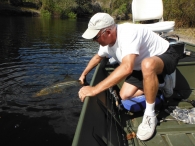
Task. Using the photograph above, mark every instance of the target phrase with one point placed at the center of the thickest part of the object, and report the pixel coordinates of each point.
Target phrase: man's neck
(114, 36)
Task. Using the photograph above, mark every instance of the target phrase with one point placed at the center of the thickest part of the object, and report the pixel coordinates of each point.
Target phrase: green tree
(121, 8)
(181, 11)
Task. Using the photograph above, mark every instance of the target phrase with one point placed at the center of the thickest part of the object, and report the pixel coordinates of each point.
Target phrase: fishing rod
(126, 136)
(131, 133)
(116, 98)
(107, 110)
(114, 94)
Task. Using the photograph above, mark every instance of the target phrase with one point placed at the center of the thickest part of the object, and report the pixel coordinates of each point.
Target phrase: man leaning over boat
(146, 62)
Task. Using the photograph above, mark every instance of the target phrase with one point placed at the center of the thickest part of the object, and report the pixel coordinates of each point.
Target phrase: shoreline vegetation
(183, 13)
(185, 34)
(10, 10)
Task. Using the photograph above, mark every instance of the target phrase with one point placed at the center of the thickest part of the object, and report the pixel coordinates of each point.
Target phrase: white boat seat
(163, 26)
(143, 10)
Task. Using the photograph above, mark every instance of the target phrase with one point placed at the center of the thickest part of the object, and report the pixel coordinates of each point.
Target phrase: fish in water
(57, 88)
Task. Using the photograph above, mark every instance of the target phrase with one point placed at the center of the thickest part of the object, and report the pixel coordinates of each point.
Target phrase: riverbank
(185, 34)
(9, 10)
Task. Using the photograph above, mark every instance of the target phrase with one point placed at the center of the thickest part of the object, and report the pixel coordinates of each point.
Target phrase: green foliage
(181, 11)
(60, 8)
(122, 9)
(45, 13)
(72, 15)
(68, 14)
(84, 7)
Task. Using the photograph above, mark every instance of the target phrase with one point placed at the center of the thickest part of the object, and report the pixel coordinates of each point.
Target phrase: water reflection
(36, 53)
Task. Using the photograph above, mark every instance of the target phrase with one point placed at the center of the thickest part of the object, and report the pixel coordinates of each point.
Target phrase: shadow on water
(37, 53)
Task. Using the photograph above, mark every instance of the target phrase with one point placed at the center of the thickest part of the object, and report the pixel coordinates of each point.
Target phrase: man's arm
(92, 63)
(121, 72)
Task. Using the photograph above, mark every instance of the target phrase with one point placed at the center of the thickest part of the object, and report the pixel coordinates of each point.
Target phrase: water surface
(36, 53)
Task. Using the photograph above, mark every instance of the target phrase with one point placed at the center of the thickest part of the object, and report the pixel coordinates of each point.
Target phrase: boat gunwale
(160, 130)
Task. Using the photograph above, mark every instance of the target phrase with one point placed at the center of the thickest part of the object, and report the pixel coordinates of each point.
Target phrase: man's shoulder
(125, 24)
(131, 26)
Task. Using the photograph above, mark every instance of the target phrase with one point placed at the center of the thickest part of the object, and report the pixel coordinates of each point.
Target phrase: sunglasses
(97, 36)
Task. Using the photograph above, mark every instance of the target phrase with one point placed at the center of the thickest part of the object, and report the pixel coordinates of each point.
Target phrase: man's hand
(86, 91)
(82, 79)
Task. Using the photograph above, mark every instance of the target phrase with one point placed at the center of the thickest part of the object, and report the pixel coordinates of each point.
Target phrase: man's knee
(126, 95)
(152, 64)
(148, 64)
(130, 94)
(123, 95)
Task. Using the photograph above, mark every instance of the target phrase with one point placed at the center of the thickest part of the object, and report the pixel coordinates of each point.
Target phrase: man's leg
(150, 68)
(129, 91)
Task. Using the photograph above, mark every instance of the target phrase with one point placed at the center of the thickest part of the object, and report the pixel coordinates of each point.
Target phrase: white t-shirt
(134, 39)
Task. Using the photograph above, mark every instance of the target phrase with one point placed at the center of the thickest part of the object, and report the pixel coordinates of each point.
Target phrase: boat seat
(144, 10)
(165, 26)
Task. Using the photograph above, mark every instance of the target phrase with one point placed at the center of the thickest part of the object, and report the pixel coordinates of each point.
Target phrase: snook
(57, 88)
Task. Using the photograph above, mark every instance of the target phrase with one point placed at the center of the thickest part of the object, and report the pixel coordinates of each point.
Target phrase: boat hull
(101, 123)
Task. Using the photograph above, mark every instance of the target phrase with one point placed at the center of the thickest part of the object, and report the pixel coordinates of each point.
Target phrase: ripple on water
(35, 54)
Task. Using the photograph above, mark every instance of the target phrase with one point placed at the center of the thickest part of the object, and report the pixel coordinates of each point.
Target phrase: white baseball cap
(96, 23)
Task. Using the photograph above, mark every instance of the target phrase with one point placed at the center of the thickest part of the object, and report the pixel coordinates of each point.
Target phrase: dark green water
(36, 53)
